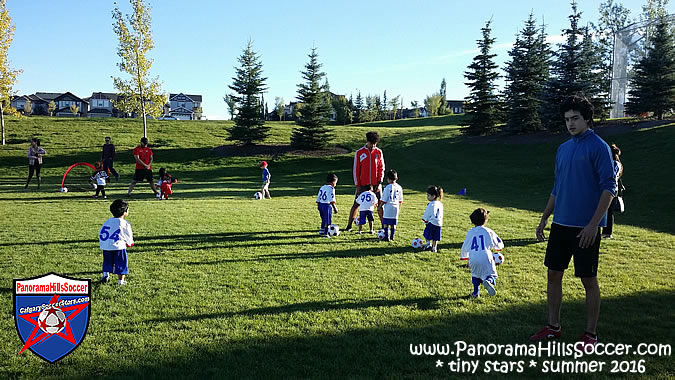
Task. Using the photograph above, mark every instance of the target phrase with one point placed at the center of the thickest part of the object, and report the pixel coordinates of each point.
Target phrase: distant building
(65, 100)
(102, 104)
(184, 107)
(457, 106)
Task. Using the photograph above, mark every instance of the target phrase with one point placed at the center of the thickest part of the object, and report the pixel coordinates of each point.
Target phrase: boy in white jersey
(367, 201)
(477, 247)
(392, 198)
(325, 202)
(114, 237)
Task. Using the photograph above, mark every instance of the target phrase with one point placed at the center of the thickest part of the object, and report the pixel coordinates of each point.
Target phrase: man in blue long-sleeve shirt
(583, 188)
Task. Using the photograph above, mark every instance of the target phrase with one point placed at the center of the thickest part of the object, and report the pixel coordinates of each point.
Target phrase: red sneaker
(586, 341)
(546, 333)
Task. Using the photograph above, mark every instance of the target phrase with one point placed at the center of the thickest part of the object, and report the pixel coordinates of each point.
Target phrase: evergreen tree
(314, 115)
(248, 84)
(442, 110)
(653, 85)
(358, 107)
(384, 111)
(526, 73)
(482, 101)
(592, 76)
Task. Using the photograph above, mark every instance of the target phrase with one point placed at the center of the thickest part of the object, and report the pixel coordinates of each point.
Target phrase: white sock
(105, 274)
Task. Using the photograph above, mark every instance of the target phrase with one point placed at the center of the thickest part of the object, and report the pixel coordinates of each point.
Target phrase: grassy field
(222, 285)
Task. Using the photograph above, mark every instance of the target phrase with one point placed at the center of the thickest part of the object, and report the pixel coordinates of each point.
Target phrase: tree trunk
(2, 122)
(145, 125)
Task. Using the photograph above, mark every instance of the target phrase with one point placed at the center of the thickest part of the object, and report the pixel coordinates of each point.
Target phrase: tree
(526, 74)
(279, 107)
(315, 113)
(7, 75)
(444, 99)
(433, 103)
(416, 108)
(51, 108)
(198, 112)
(231, 104)
(28, 108)
(592, 76)
(74, 109)
(653, 85)
(248, 85)
(341, 108)
(394, 105)
(358, 106)
(482, 102)
(139, 93)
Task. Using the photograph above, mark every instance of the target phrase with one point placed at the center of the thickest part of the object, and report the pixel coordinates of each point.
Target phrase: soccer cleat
(586, 341)
(322, 232)
(474, 295)
(121, 282)
(490, 287)
(386, 238)
(105, 197)
(607, 236)
(348, 229)
(546, 333)
(427, 246)
(95, 196)
(434, 250)
(105, 279)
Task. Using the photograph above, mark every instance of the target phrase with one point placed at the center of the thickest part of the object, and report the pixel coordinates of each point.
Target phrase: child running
(433, 217)
(165, 182)
(392, 198)
(477, 247)
(325, 202)
(100, 176)
(114, 237)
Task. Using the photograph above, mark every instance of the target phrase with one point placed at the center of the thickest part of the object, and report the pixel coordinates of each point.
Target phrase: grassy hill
(222, 285)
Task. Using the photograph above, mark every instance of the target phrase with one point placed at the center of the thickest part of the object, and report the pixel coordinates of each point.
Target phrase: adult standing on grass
(618, 173)
(107, 157)
(35, 153)
(583, 187)
(143, 155)
(368, 170)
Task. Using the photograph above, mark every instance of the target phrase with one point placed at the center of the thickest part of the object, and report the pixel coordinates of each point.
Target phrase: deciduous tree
(7, 74)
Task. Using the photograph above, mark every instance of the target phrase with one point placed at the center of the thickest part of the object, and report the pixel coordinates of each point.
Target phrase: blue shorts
(326, 212)
(432, 232)
(363, 215)
(389, 221)
(115, 262)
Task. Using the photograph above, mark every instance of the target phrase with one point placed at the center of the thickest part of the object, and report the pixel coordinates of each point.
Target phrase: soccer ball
(381, 234)
(64, 189)
(257, 195)
(52, 320)
(333, 230)
(498, 257)
(417, 243)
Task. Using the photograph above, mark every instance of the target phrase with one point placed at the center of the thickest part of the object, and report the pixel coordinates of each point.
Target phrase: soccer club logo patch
(51, 314)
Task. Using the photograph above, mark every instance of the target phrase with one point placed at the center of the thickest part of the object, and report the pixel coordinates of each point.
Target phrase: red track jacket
(368, 166)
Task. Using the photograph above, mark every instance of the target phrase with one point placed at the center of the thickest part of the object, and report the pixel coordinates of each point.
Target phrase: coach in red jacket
(368, 170)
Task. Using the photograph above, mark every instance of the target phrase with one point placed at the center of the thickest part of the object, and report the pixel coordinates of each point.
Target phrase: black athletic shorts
(563, 244)
(142, 174)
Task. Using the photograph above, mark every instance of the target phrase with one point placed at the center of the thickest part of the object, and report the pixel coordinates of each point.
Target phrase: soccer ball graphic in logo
(417, 243)
(64, 189)
(257, 195)
(52, 320)
(381, 234)
(333, 230)
(499, 258)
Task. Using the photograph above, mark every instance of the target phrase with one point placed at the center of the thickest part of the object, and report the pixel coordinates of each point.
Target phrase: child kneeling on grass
(477, 247)
(114, 237)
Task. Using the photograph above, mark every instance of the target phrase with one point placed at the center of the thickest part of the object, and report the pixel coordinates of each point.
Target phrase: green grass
(221, 285)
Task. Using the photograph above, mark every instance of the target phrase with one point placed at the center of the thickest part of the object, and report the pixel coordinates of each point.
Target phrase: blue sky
(403, 47)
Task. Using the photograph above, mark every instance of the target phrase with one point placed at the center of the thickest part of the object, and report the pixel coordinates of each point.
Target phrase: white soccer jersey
(392, 196)
(434, 213)
(367, 201)
(100, 177)
(326, 194)
(115, 235)
(477, 247)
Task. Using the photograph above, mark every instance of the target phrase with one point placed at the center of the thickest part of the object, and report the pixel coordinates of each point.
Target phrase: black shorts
(563, 244)
(142, 174)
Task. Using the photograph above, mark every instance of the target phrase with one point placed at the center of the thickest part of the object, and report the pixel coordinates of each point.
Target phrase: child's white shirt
(477, 247)
(392, 196)
(434, 213)
(100, 177)
(115, 234)
(326, 194)
(367, 201)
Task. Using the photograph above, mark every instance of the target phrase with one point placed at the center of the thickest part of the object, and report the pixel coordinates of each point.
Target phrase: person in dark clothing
(107, 158)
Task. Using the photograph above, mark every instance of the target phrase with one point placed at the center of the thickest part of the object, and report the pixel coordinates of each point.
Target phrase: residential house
(65, 100)
(457, 106)
(41, 101)
(19, 102)
(409, 113)
(185, 107)
(102, 104)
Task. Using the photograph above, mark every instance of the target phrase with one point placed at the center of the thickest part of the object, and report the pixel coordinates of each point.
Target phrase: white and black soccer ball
(381, 234)
(52, 320)
(498, 257)
(417, 243)
(333, 230)
(257, 195)
(64, 189)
